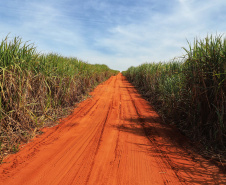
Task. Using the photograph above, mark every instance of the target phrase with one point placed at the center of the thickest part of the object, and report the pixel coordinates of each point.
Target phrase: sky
(117, 33)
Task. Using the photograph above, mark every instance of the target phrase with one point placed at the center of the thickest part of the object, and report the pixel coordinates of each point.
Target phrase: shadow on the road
(172, 150)
(126, 87)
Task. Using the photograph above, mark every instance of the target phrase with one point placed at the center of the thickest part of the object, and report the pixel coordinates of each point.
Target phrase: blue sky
(113, 32)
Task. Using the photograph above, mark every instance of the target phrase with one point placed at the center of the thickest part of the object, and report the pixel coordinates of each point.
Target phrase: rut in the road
(115, 137)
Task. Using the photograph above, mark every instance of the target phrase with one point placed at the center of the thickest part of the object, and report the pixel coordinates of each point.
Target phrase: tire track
(113, 138)
(98, 145)
(164, 158)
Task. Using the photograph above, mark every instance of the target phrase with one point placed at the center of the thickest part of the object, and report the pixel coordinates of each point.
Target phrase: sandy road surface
(115, 137)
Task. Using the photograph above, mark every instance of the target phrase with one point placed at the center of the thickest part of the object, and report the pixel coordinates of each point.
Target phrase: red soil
(115, 137)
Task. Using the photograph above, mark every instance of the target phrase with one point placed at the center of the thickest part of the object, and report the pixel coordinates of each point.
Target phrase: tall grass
(36, 88)
(191, 92)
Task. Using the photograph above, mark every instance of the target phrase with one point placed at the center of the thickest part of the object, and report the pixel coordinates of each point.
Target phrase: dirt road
(115, 137)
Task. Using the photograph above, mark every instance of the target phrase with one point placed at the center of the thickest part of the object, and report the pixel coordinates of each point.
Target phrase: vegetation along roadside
(36, 89)
(191, 92)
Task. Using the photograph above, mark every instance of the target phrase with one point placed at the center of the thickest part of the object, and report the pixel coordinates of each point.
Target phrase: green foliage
(191, 92)
(35, 88)
(15, 148)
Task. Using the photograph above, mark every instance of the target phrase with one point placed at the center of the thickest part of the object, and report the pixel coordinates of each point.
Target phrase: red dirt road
(115, 137)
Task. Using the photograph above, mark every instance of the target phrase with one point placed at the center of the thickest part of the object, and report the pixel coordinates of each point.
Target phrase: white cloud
(117, 33)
